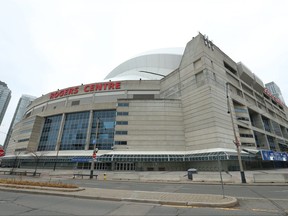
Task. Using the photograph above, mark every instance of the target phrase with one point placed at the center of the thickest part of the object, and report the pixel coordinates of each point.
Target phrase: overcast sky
(47, 44)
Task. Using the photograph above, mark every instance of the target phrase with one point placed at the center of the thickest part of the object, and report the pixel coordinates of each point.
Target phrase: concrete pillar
(59, 138)
(88, 135)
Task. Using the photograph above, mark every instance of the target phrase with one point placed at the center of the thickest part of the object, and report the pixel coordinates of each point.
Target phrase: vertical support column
(88, 135)
(59, 138)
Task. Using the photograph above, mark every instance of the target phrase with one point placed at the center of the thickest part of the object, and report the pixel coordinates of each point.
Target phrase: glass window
(109, 124)
(49, 133)
(23, 140)
(122, 113)
(120, 142)
(106, 129)
(122, 123)
(121, 132)
(74, 134)
(123, 104)
(75, 103)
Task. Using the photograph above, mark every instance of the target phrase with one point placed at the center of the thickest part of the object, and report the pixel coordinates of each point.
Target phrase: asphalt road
(239, 191)
(253, 200)
(268, 199)
(12, 203)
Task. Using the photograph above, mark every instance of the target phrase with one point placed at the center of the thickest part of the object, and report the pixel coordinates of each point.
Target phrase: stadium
(169, 109)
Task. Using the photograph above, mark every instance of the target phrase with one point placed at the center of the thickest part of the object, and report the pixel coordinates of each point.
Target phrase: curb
(56, 192)
(196, 182)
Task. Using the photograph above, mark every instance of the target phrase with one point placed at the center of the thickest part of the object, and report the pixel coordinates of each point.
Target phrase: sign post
(95, 150)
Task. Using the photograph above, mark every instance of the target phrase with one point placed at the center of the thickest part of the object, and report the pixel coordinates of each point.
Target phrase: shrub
(41, 184)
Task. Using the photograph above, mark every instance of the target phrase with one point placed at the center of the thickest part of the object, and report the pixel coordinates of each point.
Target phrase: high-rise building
(5, 96)
(22, 105)
(275, 90)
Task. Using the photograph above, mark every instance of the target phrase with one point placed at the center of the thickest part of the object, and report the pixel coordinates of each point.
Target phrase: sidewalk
(182, 199)
(163, 198)
(276, 176)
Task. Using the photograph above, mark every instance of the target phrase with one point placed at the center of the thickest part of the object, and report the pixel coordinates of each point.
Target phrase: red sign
(94, 155)
(87, 88)
(2, 152)
(277, 100)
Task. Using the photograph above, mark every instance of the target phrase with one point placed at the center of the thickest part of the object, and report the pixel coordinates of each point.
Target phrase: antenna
(205, 40)
(212, 45)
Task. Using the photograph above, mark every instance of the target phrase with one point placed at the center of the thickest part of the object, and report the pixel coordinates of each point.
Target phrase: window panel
(49, 133)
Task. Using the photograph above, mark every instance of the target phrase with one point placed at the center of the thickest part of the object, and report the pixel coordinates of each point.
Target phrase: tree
(37, 156)
(15, 163)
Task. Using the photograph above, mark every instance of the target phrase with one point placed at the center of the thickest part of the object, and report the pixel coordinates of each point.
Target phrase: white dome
(151, 65)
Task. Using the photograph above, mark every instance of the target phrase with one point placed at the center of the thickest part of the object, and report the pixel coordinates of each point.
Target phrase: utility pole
(236, 141)
(95, 150)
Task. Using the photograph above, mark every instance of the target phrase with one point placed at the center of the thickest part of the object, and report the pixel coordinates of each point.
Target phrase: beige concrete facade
(184, 113)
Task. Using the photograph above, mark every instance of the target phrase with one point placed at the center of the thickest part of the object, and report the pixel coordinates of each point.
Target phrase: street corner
(213, 201)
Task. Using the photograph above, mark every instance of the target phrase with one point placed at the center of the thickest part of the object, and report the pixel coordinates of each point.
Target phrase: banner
(268, 155)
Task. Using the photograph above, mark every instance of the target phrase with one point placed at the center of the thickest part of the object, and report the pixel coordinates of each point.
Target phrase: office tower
(5, 96)
(22, 105)
(275, 90)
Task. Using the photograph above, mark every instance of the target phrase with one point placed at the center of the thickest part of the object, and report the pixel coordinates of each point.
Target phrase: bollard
(104, 176)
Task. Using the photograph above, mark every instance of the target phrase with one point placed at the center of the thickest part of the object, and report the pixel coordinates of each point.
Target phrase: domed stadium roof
(151, 65)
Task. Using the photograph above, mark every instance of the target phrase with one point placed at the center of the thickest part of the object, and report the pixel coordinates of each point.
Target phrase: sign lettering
(87, 88)
(277, 100)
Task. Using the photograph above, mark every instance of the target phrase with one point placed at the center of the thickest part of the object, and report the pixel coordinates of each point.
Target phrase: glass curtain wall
(106, 127)
(74, 131)
(49, 134)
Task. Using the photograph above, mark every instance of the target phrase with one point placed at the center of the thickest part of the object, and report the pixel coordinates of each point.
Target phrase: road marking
(283, 191)
(265, 210)
(229, 209)
(178, 206)
(255, 198)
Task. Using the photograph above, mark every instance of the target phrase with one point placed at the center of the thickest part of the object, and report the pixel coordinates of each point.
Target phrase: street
(12, 203)
(236, 190)
(253, 200)
(260, 198)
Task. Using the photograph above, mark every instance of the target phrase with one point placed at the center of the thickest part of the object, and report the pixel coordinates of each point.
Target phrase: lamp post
(57, 153)
(220, 171)
(95, 150)
(236, 141)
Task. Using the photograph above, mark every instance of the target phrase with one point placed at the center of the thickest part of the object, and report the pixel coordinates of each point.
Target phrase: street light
(57, 153)
(236, 141)
(220, 171)
(94, 149)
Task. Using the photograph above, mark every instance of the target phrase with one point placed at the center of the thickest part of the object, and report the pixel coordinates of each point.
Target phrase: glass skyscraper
(23, 102)
(275, 90)
(5, 96)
